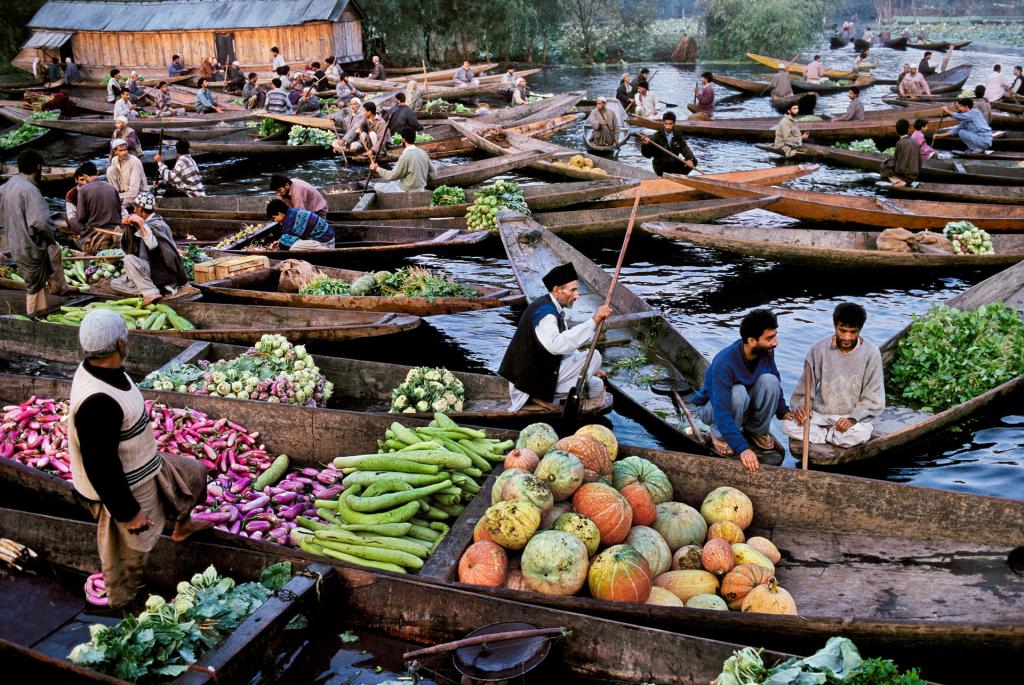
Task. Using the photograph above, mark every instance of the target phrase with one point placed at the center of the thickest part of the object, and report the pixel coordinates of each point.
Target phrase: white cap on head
(781, 65)
(67, 60)
(356, 101)
(236, 63)
(122, 118)
(118, 142)
(100, 330)
(601, 98)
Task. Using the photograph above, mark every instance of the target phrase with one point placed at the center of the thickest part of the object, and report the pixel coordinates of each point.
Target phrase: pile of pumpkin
(578, 516)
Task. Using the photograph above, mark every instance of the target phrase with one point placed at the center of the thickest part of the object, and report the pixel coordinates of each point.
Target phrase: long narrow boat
(1001, 140)
(440, 87)
(1016, 107)
(946, 170)
(46, 614)
(836, 42)
(807, 101)
(874, 561)
(948, 81)
(1015, 155)
(245, 146)
(801, 86)
(950, 192)
(870, 211)
(831, 249)
(940, 46)
(234, 324)
(795, 67)
(859, 44)
(897, 43)
(415, 74)
(350, 240)
(101, 126)
(901, 426)
(262, 287)
(359, 385)
(50, 174)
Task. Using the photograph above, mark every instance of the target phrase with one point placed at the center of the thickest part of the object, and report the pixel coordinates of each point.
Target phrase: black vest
(527, 365)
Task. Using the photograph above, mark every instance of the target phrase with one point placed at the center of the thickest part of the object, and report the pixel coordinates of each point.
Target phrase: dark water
(705, 293)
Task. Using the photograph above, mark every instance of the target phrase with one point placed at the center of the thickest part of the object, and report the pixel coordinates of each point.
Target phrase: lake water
(705, 293)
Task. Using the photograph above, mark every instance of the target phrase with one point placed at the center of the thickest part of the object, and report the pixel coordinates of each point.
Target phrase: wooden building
(144, 34)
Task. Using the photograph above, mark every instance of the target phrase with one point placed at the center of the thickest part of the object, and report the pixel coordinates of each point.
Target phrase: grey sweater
(845, 383)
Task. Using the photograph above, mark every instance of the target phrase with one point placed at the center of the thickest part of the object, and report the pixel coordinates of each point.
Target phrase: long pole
(668, 152)
(808, 372)
(373, 154)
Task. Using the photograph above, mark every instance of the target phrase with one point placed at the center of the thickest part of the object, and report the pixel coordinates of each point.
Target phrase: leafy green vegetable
(866, 145)
(396, 138)
(271, 127)
(325, 285)
(26, 132)
(407, 282)
(348, 637)
(482, 215)
(443, 106)
(190, 257)
(968, 238)
(447, 195)
(883, 672)
(304, 135)
(950, 356)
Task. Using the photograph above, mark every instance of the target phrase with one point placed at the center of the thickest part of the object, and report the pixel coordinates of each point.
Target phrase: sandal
(721, 448)
(764, 442)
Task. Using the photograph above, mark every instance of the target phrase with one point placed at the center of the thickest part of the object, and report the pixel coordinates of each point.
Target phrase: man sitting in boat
(125, 173)
(927, 151)
(464, 76)
(401, 116)
(92, 203)
(345, 91)
(981, 104)
(815, 71)
(184, 178)
(204, 99)
(604, 125)
(509, 78)
(132, 488)
(300, 228)
(1016, 87)
(165, 106)
(371, 131)
(378, 73)
(903, 74)
(855, 110)
(743, 391)
(996, 85)
(868, 36)
(624, 93)
(520, 94)
(668, 149)
(253, 94)
(413, 170)
(645, 103)
(299, 194)
(924, 67)
(124, 132)
(848, 387)
(788, 138)
(124, 107)
(176, 68)
(914, 83)
(152, 265)
(972, 130)
(542, 362)
(704, 109)
(905, 165)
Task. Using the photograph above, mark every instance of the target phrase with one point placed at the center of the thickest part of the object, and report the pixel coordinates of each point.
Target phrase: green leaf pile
(483, 213)
(26, 132)
(447, 195)
(271, 127)
(407, 282)
(396, 138)
(950, 356)
(305, 135)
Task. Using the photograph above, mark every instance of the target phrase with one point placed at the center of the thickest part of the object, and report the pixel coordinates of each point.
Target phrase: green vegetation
(733, 28)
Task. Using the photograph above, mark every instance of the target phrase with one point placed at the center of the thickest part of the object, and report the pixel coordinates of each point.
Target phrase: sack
(933, 243)
(896, 240)
(295, 273)
(100, 239)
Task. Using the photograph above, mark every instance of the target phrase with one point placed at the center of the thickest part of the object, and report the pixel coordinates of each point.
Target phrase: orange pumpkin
(591, 452)
(484, 563)
(769, 599)
(726, 530)
(607, 508)
(716, 556)
(480, 532)
(522, 458)
(640, 501)
(737, 583)
(620, 574)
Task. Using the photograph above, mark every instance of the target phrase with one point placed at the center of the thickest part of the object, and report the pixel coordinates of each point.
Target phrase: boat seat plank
(882, 577)
(34, 608)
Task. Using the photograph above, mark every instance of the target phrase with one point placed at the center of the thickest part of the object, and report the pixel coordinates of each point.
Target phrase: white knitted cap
(118, 142)
(100, 329)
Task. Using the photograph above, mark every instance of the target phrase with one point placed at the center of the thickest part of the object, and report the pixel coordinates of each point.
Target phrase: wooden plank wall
(299, 44)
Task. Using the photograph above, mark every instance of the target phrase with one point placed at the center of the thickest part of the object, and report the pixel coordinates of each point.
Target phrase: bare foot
(546, 405)
(149, 299)
(185, 529)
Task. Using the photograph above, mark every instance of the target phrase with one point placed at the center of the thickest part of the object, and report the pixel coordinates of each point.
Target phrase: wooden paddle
(374, 154)
(808, 372)
(571, 410)
(160, 151)
(667, 152)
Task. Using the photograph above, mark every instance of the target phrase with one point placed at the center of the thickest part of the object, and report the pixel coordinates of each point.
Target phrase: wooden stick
(689, 417)
(380, 143)
(808, 386)
(669, 152)
(483, 640)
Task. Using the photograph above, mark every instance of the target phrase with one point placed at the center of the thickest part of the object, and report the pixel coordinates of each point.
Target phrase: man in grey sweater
(847, 382)
(412, 172)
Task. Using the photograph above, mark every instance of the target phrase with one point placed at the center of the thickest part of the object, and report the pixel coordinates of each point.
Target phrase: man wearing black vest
(543, 360)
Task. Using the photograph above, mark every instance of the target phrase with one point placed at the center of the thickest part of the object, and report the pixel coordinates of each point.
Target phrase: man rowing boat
(542, 362)
(668, 140)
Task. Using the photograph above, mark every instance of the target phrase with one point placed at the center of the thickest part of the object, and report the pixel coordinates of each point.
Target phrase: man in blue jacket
(743, 391)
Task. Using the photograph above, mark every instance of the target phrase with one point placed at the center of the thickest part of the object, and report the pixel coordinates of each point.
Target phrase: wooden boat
(901, 426)
(935, 169)
(830, 249)
(759, 88)
(948, 81)
(806, 101)
(941, 46)
(951, 192)
(870, 211)
(101, 126)
(147, 83)
(510, 143)
(366, 240)
(47, 615)
(796, 67)
(836, 42)
(440, 75)
(614, 110)
(897, 43)
(913, 544)
(393, 205)
(743, 85)
(801, 86)
(359, 385)
(43, 136)
(1010, 107)
(859, 44)
(1005, 155)
(246, 325)
(51, 174)
(261, 288)
(1001, 140)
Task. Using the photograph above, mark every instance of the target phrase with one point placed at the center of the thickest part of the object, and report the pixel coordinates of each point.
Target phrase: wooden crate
(226, 267)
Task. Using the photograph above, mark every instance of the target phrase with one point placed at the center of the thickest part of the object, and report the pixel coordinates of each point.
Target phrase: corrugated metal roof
(183, 15)
(47, 40)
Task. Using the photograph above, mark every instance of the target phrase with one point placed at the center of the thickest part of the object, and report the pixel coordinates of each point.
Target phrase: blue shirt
(204, 99)
(727, 369)
(973, 121)
(175, 69)
(301, 224)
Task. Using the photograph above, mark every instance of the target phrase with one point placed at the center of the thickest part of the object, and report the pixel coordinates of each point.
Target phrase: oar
(667, 152)
(808, 372)
(671, 389)
(160, 151)
(571, 410)
(373, 155)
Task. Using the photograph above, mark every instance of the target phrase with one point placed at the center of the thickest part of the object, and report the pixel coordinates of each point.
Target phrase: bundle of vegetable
(865, 145)
(152, 317)
(271, 127)
(191, 256)
(581, 163)
(968, 238)
(303, 135)
(428, 389)
(26, 132)
(482, 214)
(325, 106)
(391, 514)
(396, 138)
(10, 272)
(273, 370)
(160, 643)
(81, 274)
(950, 356)
(246, 231)
(405, 282)
(447, 195)
(809, 117)
(96, 590)
(838, 663)
(443, 106)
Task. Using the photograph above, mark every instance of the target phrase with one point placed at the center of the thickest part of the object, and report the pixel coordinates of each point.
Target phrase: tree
(587, 15)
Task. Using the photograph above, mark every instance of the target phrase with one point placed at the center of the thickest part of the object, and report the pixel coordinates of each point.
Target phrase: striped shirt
(184, 176)
(277, 102)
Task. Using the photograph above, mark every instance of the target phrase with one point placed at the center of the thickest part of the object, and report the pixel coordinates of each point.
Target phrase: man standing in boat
(743, 391)
(668, 148)
(115, 463)
(543, 360)
(847, 384)
(924, 67)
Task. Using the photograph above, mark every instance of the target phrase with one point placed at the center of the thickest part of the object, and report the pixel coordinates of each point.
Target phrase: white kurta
(564, 343)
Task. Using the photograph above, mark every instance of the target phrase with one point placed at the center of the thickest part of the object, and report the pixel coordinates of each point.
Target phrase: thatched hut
(143, 35)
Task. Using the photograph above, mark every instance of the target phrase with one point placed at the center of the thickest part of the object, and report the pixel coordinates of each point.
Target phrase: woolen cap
(145, 200)
(118, 142)
(560, 275)
(100, 329)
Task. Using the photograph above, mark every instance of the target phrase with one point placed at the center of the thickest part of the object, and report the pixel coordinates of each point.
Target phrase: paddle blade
(570, 420)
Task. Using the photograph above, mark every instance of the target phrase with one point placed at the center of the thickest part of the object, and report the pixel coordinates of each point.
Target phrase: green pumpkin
(499, 483)
(638, 470)
(563, 473)
(680, 524)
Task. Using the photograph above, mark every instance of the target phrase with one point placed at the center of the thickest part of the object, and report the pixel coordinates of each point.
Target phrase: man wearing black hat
(543, 360)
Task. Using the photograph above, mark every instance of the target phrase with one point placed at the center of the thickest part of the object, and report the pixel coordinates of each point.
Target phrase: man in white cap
(378, 73)
(520, 94)
(152, 265)
(115, 463)
(782, 86)
(124, 107)
(235, 78)
(122, 131)
(71, 72)
(125, 172)
(604, 125)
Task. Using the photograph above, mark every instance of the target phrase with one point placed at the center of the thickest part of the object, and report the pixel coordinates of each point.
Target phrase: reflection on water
(702, 292)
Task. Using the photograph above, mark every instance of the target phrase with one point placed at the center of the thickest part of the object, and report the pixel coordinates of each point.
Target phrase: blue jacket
(727, 369)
